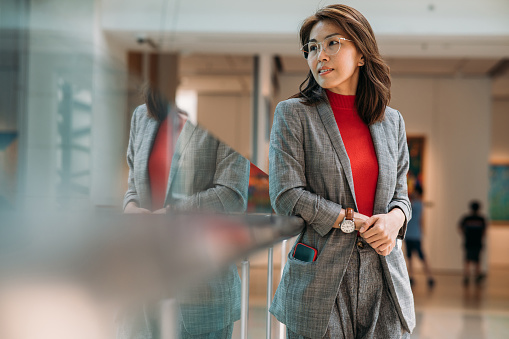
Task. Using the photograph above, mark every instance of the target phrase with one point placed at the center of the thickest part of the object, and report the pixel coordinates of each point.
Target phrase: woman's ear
(361, 61)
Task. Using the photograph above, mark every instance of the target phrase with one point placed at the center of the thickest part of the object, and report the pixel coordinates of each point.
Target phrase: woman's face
(338, 73)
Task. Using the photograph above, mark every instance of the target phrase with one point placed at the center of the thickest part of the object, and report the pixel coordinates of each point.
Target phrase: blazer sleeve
(400, 197)
(229, 188)
(287, 179)
(131, 194)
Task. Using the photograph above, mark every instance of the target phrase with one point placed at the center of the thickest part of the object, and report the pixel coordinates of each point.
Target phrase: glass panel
(71, 107)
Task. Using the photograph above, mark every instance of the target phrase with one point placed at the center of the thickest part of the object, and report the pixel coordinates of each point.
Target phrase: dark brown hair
(157, 105)
(373, 90)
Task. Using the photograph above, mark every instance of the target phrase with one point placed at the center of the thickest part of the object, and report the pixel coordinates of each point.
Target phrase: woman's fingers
(368, 223)
(376, 224)
(136, 210)
(160, 211)
(377, 243)
(377, 234)
(385, 249)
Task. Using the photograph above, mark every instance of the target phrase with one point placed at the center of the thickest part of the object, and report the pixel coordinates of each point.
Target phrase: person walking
(413, 237)
(473, 229)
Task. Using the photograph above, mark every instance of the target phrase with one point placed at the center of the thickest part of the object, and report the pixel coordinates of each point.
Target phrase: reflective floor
(449, 310)
(452, 310)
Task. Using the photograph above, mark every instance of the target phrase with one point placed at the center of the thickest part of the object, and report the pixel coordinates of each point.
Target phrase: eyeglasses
(332, 45)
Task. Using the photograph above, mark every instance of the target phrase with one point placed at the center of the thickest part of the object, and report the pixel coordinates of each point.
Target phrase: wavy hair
(373, 90)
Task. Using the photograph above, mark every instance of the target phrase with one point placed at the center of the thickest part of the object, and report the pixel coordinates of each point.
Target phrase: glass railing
(159, 274)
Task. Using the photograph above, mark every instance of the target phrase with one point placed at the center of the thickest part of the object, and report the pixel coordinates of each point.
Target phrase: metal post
(244, 302)
(256, 91)
(168, 319)
(269, 289)
(282, 327)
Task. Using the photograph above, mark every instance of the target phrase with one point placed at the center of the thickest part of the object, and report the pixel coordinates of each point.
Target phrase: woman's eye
(333, 42)
(312, 48)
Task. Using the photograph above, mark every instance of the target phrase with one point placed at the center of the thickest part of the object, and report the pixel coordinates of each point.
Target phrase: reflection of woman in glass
(337, 146)
(174, 164)
(155, 128)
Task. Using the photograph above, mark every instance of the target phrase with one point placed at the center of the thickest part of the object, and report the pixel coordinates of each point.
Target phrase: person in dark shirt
(473, 228)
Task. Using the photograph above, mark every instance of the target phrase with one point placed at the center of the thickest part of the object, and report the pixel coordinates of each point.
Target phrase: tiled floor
(450, 310)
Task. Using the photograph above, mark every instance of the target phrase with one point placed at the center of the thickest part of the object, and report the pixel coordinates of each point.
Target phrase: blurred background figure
(413, 238)
(473, 228)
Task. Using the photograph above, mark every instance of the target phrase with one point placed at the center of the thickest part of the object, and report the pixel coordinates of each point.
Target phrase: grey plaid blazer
(205, 174)
(310, 176)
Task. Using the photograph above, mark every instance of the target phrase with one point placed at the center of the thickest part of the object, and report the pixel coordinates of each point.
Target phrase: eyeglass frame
(321, 46)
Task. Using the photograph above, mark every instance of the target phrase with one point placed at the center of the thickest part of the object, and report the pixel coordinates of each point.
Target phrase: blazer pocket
(295, 261)
(303, 293)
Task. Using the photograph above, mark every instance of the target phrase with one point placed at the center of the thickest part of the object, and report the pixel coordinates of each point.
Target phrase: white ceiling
(404, 29)
(388, 17)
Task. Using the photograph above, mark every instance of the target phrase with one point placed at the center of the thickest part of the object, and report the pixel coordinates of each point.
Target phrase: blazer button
(360, 244)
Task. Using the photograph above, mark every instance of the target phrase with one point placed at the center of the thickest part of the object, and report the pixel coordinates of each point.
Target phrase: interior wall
(58, 101)
(500, 137)
(74, 125)
(109, 119)
(454, 114)
(228, 117)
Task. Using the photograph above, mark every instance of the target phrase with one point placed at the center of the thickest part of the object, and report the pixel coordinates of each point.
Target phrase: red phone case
(314, 250)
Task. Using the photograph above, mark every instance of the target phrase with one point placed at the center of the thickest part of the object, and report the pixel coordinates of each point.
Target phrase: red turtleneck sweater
(159, 163)
(360, 149)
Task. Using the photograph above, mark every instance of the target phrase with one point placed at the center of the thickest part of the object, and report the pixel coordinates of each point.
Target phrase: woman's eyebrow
(328, 36)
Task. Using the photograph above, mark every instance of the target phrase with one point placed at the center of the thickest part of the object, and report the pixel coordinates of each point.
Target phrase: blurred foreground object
(64, 275)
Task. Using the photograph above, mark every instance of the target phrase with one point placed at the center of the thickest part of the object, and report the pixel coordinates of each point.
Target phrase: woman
(155, 128)
(174, 164)
(336, 145)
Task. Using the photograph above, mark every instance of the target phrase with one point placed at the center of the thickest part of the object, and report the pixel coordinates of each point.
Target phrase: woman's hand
(381, 230)
(132, 208)
(162, 210)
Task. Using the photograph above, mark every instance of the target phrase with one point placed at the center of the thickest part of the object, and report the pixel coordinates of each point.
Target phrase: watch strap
(349, 213)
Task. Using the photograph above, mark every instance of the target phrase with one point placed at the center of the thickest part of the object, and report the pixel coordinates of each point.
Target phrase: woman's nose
(321, 54)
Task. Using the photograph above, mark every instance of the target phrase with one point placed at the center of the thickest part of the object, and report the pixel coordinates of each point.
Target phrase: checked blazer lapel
(384, 169)
(150, 131)
(182, 143)
(327, 116)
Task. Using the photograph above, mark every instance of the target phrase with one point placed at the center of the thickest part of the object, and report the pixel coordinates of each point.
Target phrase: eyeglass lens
(331, 45)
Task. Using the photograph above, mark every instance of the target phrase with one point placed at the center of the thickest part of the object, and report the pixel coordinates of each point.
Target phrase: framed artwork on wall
(415, 171)
(499, 192)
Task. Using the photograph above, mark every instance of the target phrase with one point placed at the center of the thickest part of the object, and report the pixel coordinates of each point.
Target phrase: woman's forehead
(324, 28)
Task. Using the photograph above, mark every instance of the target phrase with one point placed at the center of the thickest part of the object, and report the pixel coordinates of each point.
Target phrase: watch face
(348, 226)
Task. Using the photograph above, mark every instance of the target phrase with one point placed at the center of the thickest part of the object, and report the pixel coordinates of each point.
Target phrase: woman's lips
(325, 71)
